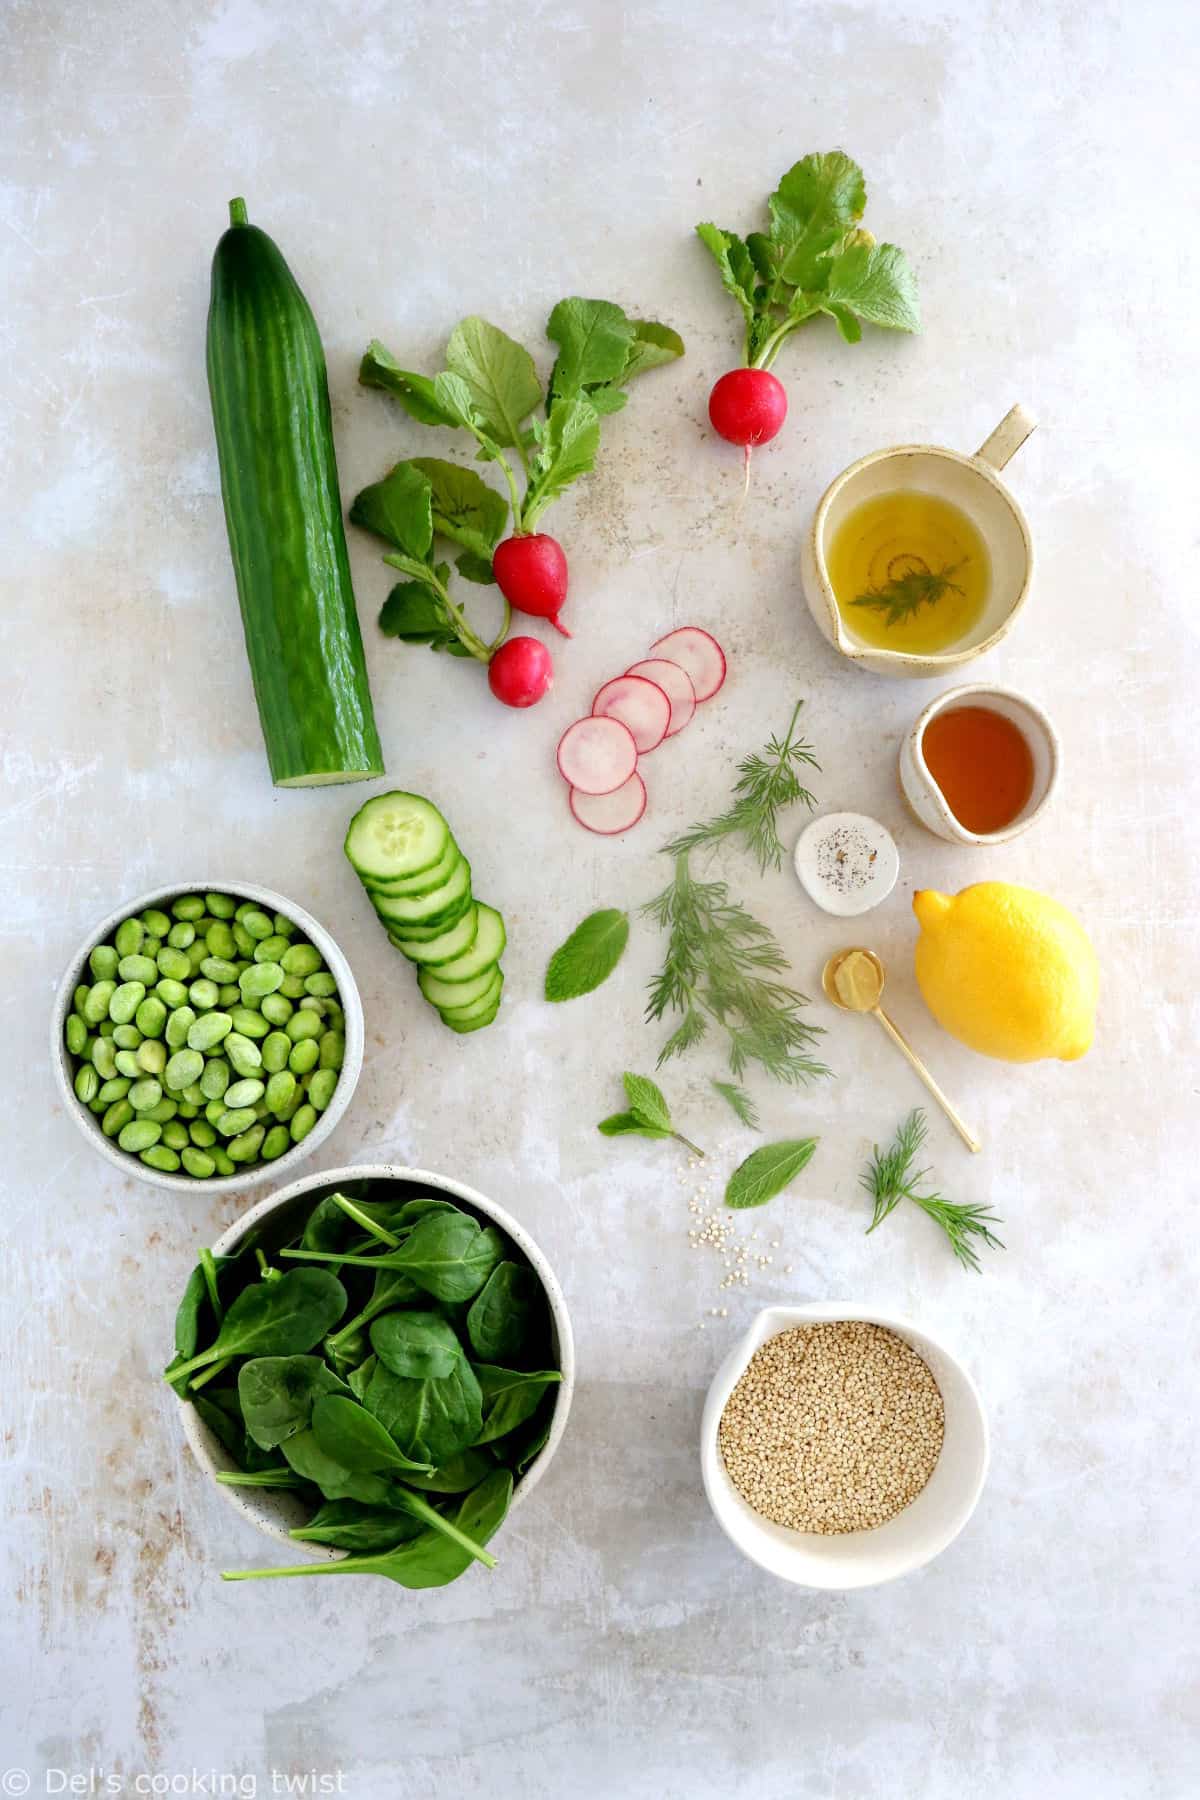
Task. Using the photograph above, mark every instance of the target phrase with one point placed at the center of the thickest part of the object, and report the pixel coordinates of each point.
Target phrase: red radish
(596, 755)
(521, 671)
(676, 684)
(747, 406)
(699, 656)
(531, 573)
(608, 814)
(638, 703)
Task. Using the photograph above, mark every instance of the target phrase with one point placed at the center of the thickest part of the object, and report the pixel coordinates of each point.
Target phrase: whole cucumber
(270, 401)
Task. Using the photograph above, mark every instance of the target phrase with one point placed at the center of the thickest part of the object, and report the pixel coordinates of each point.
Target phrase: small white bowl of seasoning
(842, 1445)
(847, 863)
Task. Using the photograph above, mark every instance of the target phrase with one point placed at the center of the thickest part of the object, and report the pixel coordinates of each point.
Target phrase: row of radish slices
(630, 716)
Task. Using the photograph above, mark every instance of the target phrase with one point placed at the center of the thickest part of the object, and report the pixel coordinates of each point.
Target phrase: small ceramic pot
(927, 799)
(968, 482)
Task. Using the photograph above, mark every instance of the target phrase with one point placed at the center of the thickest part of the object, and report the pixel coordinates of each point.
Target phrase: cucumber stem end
(237, 212)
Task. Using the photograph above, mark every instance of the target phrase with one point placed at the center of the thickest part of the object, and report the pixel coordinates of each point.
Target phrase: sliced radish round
(698, 654)
(608, 814)
(596, 755)
(638, 703)
(676, 684)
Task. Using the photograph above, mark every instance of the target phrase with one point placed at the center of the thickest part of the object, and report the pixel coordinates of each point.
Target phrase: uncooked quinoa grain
(832, 1428)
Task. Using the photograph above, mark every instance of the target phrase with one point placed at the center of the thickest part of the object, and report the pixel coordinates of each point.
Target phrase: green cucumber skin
(270, 402)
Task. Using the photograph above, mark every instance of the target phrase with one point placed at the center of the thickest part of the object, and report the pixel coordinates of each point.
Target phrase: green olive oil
(910, 572)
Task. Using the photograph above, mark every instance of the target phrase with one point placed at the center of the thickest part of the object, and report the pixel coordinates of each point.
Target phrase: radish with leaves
(814, 258)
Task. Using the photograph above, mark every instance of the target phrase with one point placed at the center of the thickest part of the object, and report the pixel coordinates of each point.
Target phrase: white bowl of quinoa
(842, 1446)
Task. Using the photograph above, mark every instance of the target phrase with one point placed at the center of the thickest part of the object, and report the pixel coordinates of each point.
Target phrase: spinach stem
(368, 1224)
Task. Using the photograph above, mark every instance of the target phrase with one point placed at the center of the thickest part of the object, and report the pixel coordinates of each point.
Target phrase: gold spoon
(859, 990)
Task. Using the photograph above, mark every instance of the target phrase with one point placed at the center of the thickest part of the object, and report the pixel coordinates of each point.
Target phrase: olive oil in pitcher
(909, 571)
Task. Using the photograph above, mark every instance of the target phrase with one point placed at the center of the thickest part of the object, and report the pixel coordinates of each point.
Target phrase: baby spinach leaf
(500, 377)
(392, 1288)
(588, 956)
(510, 1396)
(457, 1475)
(352, 1436)
(335, 1480)
(225, 1427)
(526, 1444)
(416, 393)
(348, 1525)
(430, 1420)
(360, 1379)
(278, 1393)
(284, 1316)
(422, 1345)
(768, 1171)
(399, 509)
(502, 1317)
(446, 1254)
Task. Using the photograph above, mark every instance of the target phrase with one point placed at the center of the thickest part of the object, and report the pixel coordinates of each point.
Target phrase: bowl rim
(916, 744)
(933, 661)
(195, 1432)
(348, 997)
(768, 1322)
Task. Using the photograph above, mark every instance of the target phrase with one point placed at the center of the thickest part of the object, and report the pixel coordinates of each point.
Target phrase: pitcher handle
(1006, 440)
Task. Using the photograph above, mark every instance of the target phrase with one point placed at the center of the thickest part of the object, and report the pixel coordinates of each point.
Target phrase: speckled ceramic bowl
(275, 1512)
(926, 798)
(856, 1558)
(62, 1062)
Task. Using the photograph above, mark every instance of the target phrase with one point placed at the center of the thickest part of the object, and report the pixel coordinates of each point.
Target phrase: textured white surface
(416, 163)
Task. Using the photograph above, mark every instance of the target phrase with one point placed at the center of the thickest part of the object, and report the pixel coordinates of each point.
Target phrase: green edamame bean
(114, 1089)
(277, 1140)
(79, 998)
(245, 1147)
(220, 905)
(128, 1064)
(76, 1033)
(87, 1084)
(181, 935)
(251, 1024)
(104, 1058)
(270, 949)
(285, 928)
(256, 922)
(103, 962)
(175, 964)
(302, 960)
(244, 1056)
(105, 1028)
(311, 1004)
(151, 947)
(151, 1016)
(172, 993)
(138, 968)
(125, 1002)
(128, 937)
(279, 1091)
(178, 1025)
(96, 1002)
(126, 1037)
(292, 987)
(188, 906)
(163, 1113)
(244, 1093)
(221, 941)
(275, 1051)
(322, 984)
(333, 1050)
(160, 1157)
(216, 1077)
(139, 1134)
(175, 1135)
(156, 922)
(242, 939)
(202, 1133)
(304, 1056)
(196, 954)
(219, 968)
(116, 1118)
(204, 994)
(197, 1163)
(303, 1025)
(277, 1008)
(145, 1094)
(234, 1120)
(151, 1056)
(194, 1095)
(229, 994)
(302, 1123)
(259, 980)
(208, 1032)
(216, 1109)
(224, 1166)
(320, 1088)
(185, 1067)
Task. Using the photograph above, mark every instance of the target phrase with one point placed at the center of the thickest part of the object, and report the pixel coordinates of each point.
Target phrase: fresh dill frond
(739, 1100)
(720, 966)
(890, 1177)
(766, 784)
(903, 596)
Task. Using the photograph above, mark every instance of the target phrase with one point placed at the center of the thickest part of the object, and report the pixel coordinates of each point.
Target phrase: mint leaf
(399, 509)
(465, 509)
(872, 282)
(568, 450)
(589, 955)
(499, 375)
(814, 204)
(740, 1101)
(594, 340)
(647, 1102)
(416, 393)
(627, 1124)
(768, 1171)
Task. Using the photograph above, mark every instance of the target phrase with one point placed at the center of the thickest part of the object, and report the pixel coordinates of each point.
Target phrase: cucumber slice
(472, 1024)
(423, 882)
(484, 1010)
(444, 905)
(486, 950)
(458, 994)
(447, 946)
(396, 835)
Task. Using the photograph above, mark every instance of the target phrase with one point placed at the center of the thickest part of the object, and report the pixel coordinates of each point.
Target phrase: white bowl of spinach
(375, 1365)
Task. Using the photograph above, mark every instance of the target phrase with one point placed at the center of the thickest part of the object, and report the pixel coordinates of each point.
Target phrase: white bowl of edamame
(206, 1035)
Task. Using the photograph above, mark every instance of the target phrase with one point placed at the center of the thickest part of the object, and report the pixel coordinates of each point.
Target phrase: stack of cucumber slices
(419, 883)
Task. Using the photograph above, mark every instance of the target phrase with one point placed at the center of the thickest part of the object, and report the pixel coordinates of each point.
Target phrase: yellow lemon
(1007, 971)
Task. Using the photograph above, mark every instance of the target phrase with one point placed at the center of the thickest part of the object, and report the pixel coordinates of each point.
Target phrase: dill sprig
(720, 965)
(766, 783)
(889, 1178)
(740, 1101)
(904, 595)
